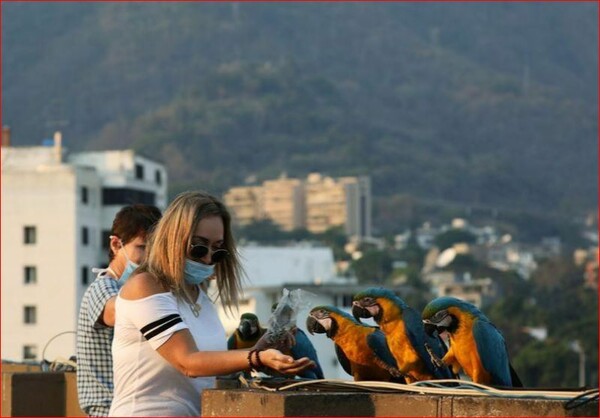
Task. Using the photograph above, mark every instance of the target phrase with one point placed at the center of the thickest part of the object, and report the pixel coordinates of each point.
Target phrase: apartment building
(316, 203)
(343, 201)
(282, 202)
(57, 211)
(246, 203)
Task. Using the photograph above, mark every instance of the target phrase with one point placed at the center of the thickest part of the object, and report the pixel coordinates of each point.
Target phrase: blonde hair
(168, 246)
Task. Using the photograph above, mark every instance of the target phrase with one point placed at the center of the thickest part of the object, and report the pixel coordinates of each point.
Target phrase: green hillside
(491, 105)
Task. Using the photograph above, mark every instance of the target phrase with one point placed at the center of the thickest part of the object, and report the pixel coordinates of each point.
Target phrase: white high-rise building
(57, 211)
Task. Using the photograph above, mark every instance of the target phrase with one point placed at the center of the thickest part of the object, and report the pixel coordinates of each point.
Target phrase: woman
(169, 342)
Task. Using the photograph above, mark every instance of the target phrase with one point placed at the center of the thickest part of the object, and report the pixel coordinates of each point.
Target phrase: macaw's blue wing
(231, 342)
(514, 377)
(492, 352)
(344, 361)
(418, 338)
(378, 344)
(304, 348)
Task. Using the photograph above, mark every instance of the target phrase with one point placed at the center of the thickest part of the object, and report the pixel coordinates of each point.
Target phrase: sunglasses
(199, 251)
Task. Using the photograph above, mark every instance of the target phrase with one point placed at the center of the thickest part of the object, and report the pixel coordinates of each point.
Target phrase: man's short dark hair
(133, 221)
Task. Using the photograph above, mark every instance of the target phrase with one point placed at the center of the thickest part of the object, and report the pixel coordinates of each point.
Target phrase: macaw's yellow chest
(464, 348)
(394, 329)
(401, 347)
(407, 358)
(240, 344)
(353, 342)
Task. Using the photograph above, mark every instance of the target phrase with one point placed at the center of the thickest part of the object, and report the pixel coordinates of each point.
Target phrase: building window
(30, 352)
(84, 275)
(139, 172)
(29, 235)
(126, 196)
(343, 301)
(30, 275)
(29, 314)
(158, 177)
(85, 235)
(84, 195)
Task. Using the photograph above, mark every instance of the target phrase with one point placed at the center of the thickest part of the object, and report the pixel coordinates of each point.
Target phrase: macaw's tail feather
(514, 377)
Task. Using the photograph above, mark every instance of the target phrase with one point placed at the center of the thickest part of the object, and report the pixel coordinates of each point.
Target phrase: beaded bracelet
(251, 363)
(249, 358)
(258, 361)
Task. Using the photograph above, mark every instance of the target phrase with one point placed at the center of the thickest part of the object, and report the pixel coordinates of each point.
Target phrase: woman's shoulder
(142, 285)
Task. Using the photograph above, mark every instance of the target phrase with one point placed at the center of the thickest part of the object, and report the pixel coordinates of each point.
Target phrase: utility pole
(576, 347)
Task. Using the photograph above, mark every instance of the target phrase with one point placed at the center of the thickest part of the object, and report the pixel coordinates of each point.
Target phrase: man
(96, 320)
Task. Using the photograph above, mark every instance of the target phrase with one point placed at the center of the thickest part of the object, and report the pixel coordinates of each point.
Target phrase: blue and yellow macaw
(302, 348)
(404, 333)
(360, 349)
(247, 333)
(476, 345)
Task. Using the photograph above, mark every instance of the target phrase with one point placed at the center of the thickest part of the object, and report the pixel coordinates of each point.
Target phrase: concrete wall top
(256, 402)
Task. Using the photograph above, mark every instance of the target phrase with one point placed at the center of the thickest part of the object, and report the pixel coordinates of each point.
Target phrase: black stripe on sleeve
(158, 322)
(163, 328)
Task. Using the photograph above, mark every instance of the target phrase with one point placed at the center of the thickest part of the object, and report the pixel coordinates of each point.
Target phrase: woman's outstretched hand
(276, 360)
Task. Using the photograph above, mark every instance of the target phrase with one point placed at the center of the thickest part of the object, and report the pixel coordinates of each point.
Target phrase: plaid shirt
(94, 357)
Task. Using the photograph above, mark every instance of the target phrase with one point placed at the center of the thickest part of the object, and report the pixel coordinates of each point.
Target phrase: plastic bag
(283, 318)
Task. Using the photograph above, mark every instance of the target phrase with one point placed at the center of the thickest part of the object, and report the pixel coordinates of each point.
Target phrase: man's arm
(108, 313)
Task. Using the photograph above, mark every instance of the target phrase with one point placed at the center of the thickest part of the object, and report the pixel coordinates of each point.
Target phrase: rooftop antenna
(58, 146)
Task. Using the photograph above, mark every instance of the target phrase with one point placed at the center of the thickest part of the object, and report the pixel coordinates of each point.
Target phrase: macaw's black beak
(313, 326)
(245, 328)
(430, 329)
(359, 312)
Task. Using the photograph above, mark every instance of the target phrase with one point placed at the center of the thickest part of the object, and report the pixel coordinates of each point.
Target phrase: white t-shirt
(145, 383)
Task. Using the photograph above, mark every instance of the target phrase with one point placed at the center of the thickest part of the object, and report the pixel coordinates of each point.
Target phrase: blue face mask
(196, 273)
(129, 268)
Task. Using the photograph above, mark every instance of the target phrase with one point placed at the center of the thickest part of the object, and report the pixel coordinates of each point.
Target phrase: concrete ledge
(256, 402)
(33, 394)
(50, 394)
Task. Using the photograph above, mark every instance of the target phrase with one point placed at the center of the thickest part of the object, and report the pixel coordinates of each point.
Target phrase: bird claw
(393, 371)
(437, 362)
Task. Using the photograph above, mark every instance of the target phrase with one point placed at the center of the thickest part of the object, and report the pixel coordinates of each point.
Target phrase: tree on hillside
(453, 236)
(262, 231)
(373, 267)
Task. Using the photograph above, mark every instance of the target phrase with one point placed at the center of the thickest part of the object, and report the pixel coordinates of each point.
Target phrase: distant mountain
(490, 104)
